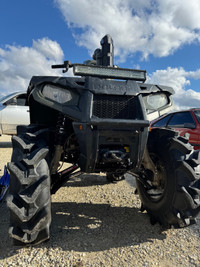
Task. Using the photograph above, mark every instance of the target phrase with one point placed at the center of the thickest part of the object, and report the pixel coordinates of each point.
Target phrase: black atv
(99, 122)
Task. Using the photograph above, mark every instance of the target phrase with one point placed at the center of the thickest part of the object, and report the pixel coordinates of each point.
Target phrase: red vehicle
(186, 121)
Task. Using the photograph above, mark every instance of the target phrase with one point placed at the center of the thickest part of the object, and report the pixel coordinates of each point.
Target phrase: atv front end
(104, 120)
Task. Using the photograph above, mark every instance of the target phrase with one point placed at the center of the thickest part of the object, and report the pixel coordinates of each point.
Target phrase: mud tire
(179, 202)
(29, 198)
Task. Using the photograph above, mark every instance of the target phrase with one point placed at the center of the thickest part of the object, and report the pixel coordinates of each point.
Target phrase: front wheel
(170, 194)
(29, 198)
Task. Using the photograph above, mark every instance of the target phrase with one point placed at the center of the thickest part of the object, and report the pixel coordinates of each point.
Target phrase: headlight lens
(56, 94)
(157, 100)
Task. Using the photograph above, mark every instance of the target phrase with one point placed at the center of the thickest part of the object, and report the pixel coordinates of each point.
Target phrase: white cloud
(178, 78)
(18, 64)
(157, 27)
(49, 49)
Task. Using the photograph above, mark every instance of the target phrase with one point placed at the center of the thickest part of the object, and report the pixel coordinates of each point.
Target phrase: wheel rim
(158, 180)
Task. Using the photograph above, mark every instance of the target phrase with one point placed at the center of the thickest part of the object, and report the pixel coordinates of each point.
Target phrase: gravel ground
(99, 224)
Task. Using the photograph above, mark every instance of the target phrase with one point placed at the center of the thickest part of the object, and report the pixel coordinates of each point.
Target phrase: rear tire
(175, 198)
(29, 199)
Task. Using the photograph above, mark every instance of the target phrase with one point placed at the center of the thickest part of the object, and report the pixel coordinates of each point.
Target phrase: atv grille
(114, 107)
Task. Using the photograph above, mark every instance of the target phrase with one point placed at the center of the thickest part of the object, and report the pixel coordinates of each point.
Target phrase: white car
(13, 111)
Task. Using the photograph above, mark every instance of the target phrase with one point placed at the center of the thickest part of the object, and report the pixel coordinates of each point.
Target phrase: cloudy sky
(161, 36)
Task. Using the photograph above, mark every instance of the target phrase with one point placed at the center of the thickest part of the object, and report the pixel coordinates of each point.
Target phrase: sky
(160, 36)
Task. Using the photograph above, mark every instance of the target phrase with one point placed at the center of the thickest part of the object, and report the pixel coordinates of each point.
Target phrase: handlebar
(59, 66)
(67, 64)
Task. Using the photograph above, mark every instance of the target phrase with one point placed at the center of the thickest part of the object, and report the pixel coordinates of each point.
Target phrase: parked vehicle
(186, 121)
(14, 110)
(98, 123)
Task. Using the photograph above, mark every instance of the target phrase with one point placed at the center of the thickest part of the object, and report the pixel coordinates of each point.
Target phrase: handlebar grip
(58, 66)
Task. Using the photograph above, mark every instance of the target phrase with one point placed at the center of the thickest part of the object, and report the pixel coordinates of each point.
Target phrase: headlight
(109, 72)
(157, 101)
(56, 94)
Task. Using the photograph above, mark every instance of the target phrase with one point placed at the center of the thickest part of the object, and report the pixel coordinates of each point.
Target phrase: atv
(98, 121)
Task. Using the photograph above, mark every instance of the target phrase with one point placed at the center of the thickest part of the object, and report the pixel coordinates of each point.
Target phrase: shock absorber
(60, 137)
(60, 130)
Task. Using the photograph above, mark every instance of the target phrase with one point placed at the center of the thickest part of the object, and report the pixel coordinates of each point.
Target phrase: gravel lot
(99, 224)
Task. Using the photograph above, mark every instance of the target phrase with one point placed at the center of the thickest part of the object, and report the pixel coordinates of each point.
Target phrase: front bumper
(98, 137)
